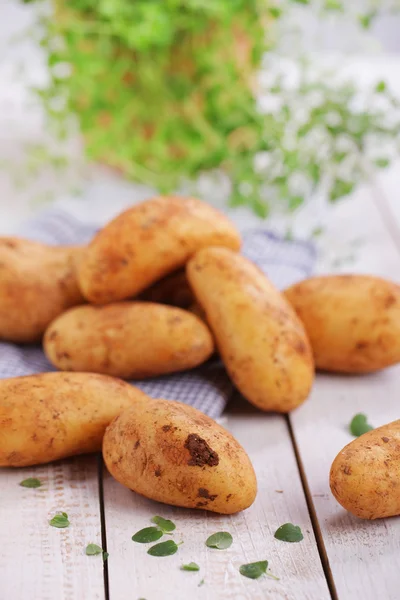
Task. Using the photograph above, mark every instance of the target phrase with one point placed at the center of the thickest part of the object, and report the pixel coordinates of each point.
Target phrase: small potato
(173, 290)
(38, 282)
(131, 340)
(261, 341)
(173, 453)
(54, 415)
(365, 475)
(353, 321)
(147, 242)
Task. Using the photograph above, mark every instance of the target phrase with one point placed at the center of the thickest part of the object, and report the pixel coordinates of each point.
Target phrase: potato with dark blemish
(260, 339)
(352, 321)
(54, 415)
(173, 453)
(365, 475)
(37, 283)
(131, 340)
(147, 242)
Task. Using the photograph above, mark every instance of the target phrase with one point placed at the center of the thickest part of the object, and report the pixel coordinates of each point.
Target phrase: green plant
(165, 90)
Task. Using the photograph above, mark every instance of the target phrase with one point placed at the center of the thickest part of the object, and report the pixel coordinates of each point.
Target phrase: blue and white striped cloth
(208, 387)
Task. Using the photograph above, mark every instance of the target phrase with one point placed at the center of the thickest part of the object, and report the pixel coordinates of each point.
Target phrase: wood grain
(280, 500)
(363, 555)
(40, 562)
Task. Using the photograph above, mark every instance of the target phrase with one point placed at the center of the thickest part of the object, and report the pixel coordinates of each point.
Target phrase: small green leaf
(60, 520)
(334, 5)
(380, 87)
(275, 12)
(317, 232)
(366, 20)
(146, 535)
(31, 482)
(163, 549)
(201, 583)
(359, 425)
(220, 540)
(192, 566)
(295, 202)
(382, 163)
(340, 188)
(289, 533)
(165, 525)
(254, 570)
(105, 556)
(93, 550)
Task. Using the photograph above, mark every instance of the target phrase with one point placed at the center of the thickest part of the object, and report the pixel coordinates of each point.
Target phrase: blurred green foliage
(165, 90)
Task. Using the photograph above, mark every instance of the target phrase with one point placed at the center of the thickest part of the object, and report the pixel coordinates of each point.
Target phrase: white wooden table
(340, 556)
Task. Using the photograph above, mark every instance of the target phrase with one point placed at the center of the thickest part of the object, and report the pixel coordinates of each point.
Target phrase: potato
(365, 475)
(353, 321)
(173, 290)
(147, 242)
(261, 341)
(131, 340)
(173, 453)
(38, 282)
(53, 415)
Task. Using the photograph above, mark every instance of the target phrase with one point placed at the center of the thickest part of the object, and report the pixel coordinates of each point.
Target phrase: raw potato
(54, 415)
(38, 282)
(365, 475)
(353, 321)
(173, 290)
(131, 340)
(259, 337)
(173, 453)
(147, 242)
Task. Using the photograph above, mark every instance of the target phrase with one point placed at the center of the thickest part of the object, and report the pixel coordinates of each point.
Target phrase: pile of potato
(160, 289)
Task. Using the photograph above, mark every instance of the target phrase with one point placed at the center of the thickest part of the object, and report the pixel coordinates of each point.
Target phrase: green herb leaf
(165, 525)
(289, 533)
(340, 188)
(254, 570)
(192, 566)
(60, 520)
(275, 11)
(146, 535)
(220, 540)
(382, 163)
(93, 549)
(366, 20)
(380, 87)
(105, 556)
(334, 5)
(31, 482)
(163, 549)
(359, 425)
(317, 231)
(201, 582)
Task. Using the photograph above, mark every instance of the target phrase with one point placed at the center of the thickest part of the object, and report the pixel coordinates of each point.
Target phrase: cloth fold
(208, 387)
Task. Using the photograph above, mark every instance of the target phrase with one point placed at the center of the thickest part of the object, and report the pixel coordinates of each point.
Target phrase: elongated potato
(173, 290)
(353, 321)
(173, 453)
(131, 340)
(53, 415)
(37, 283)
(148, 242)
(261, 341)
(365, 475)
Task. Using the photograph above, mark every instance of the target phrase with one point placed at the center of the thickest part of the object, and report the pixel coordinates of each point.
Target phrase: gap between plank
(103, 525)
(313, 516)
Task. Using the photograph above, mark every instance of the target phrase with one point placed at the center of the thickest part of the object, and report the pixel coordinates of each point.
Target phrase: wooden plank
(280, 499)
(40, 562)
(363, 555)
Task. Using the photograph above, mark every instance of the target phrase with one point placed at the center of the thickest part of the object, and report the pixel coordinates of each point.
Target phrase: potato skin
(38, 282)
(131, 340)
(365, 475)
(259, 337)
(173, 290)
(54, 415)
(147, 242)
(173, 453)
(353, 321)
